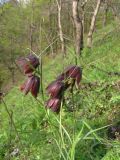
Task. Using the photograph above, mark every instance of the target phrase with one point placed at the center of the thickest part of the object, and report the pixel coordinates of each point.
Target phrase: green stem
(74, 115)
(11, 119)
(60, 129)
(41, 79)
(12, 123)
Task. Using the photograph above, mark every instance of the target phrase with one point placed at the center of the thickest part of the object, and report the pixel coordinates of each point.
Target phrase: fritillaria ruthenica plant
(72, 75)
(54, 104)
(72, 72)
(28, 65)
(32, 84)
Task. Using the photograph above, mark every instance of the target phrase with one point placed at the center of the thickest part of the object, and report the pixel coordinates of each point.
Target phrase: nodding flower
(32, 85)
(54, 104)
(56, 89)
(29, 63)
(73, 72)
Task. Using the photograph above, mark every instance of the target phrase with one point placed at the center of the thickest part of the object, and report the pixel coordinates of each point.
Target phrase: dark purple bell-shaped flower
(54, 104)
(25, 87)
(29, 63)
(74, 72)
(35, 86)
(55, 89)
(31, 85)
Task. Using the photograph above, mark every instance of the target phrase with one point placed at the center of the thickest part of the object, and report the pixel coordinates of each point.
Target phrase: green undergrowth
(94, 106)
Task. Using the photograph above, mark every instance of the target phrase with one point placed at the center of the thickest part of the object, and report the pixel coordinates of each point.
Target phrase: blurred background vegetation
(32, 26)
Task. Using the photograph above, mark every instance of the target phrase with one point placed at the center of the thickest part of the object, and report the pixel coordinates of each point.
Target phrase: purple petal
(54, 104)
(35, 86)
(26, 87)
(55, 89)
(28, 63)
(78, 78)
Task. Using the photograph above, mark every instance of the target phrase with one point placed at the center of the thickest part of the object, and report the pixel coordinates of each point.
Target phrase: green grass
(97, 106)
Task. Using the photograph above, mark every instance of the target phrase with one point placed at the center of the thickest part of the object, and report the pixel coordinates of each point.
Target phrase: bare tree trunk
(83, 14)
(78, 27)
(32, 27)
(50, 27)
(92, 26)
(105, 13)
(59, 5)
(116, 17)
(31, 37)
(114, 11)
(55, 26)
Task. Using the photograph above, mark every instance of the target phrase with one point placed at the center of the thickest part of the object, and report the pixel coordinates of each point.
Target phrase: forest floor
(96, 104)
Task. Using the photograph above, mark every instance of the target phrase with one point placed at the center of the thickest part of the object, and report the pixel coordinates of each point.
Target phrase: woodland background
(62, 32)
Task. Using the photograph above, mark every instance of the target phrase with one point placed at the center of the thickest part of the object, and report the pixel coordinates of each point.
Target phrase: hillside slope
(97, 104)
